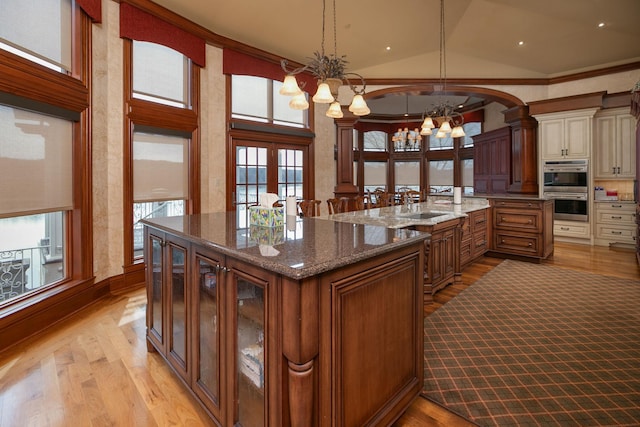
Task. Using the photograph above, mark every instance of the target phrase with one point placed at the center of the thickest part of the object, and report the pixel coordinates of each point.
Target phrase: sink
(425, 215)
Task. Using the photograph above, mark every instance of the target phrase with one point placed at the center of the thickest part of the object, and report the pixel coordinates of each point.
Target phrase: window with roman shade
(36, 160)
(160, 167)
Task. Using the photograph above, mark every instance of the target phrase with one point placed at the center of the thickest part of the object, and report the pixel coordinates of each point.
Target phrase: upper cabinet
(565, 135)
(614, 144)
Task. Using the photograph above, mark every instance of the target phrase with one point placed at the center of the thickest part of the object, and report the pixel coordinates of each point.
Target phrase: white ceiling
(560, 36)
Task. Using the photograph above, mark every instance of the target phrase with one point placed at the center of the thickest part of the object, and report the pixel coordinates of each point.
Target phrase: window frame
(64, 95)
(160, 118)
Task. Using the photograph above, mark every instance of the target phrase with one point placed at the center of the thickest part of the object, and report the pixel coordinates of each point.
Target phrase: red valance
(136, 24)
(93, 8)
(234, 62)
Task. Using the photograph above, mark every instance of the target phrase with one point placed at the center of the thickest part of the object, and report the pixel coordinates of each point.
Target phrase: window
(257, 99)
(160, 180)
(375, 141)
(375, 175)
(40, 159)
(407, 175)
(441, 176)
(39, 31)
(160, 74)
(162, 117)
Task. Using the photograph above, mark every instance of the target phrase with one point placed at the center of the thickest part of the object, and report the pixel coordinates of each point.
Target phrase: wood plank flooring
(94, 369)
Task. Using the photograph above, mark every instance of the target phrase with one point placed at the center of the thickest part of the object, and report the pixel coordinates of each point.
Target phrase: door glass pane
(178, 304)
(250, 353)
(251, 180)
(208, 326)
(290, 173)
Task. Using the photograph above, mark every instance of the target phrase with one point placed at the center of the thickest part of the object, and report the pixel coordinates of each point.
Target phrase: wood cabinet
(492, 161)
(442, 262)
(261, 348)
(615, 145)
(615, 223)
(474, 240)
(565, 135)
(197, 298)
(523, 228)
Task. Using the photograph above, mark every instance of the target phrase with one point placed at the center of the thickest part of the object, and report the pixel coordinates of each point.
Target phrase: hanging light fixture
(443, 114)
(406, 139)
(331, 74)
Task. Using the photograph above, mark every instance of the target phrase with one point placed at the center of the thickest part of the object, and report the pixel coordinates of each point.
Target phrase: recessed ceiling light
(600, 25)
(388, 47)
(521, 43)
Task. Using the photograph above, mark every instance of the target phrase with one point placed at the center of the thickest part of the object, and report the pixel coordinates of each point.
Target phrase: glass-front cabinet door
(249, 409)
(177, 288)
(155, 280)
(207, 357)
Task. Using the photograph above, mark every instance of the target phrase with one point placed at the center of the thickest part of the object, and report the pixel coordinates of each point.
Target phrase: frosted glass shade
(290, 86)
(299, 102)
(428, 124)
(335, 110)
(457, 132)
(445, 126)
(359, 106)
(426, 131)
(323, 95)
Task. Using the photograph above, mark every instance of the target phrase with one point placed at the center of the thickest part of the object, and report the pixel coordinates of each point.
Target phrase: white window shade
(39, 27)
(160, 167)
(160, 74)
(36, 163)
(441, 172)
(467, 173)
(375, 174)
(407, 174)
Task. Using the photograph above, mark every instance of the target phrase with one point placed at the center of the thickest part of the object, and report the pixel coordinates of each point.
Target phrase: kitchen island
(316, 323)
(458, 234)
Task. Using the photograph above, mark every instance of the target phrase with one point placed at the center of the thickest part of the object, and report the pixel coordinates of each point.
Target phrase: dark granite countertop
(302, 248)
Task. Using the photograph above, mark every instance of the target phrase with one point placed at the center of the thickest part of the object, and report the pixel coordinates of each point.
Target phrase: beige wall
(107, 127)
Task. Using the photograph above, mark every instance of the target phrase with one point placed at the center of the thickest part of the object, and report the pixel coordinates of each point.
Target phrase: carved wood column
(524, 154)
(345, 187)
(300, 346)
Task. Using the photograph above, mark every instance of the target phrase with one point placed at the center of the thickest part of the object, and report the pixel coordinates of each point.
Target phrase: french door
(266, 167)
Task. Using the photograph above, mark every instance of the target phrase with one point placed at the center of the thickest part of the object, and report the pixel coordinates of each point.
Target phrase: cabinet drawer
(518, 220)
(478, 219)
(615, 207)
(517, 243)
(612, 232)
(619, 218)
(518, 204)
(479, 243)
(574, 229)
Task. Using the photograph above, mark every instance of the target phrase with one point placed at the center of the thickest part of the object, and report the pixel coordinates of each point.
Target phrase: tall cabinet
(614, 145)
(562, 136)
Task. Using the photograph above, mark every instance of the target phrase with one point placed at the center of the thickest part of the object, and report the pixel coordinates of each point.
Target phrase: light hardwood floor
(94, 369)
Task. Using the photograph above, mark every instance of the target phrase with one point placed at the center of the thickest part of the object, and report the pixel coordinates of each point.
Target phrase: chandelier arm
(293, 71)
(353, 87)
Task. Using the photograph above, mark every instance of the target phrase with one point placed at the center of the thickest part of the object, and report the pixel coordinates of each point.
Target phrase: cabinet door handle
(616, 206)
(618, 170)
(616, 232)
(530, 244)
(530, 221)
(613, 170)
(616, 217)
(565, 228)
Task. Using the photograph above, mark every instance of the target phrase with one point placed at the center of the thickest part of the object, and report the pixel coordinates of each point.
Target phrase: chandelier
(406, 139)
(331, 74)
(443, 115)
